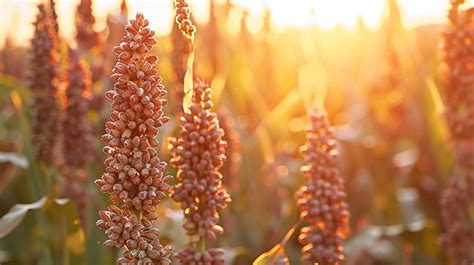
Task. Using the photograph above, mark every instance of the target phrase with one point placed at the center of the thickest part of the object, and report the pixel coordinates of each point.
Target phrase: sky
(17, 15)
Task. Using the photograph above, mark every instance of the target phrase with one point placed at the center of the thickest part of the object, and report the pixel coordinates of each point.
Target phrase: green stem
(202, 244)
(64, 238)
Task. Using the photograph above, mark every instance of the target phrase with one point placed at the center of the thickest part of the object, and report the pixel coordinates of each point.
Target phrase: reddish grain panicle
(135, 176)
(322, 200)
(198, 154)
(183, 18)
(44, 83)
(86, 36)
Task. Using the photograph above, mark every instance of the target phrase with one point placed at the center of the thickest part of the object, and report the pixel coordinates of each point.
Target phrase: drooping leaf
(16, 159)
(16, 214)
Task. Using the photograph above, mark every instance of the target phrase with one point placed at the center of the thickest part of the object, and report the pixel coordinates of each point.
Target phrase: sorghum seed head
(77, 146)
(54, 16)
(190, 255)
(134, 177)
(458, 238)
(322, 200)
(86, 36)
(199, 154)
(183, 18)
(44, 84)
(459, 73)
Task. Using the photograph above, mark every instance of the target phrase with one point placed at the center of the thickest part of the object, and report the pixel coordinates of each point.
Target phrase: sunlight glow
(328, 14)
(296, 13)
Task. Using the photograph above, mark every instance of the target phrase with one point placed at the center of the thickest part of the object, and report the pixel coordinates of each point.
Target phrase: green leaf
(17, 213)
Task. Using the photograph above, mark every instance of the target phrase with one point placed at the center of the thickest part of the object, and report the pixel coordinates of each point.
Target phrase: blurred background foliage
(380, 89)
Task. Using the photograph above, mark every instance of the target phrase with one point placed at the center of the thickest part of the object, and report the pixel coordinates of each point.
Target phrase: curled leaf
(16, 159)
(18, 212)
(275, 256)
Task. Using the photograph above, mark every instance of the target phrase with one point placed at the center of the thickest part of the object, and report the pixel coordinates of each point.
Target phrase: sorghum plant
(77, 129)
(77, 136)
(52, 5)
(44, 86)
(88, 40)
(183, 18)
(387, 96)
(135, 176)
(458, 239)
(459, 73)
(322, 200)
(12, 59)
(115, 24)
(86, 36)
(199, 154)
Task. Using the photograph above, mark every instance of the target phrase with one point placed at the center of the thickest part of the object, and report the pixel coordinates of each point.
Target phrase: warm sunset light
(297, 13)
(236, 132)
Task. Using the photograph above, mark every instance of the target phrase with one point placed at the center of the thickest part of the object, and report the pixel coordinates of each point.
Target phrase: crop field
(235, 132)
